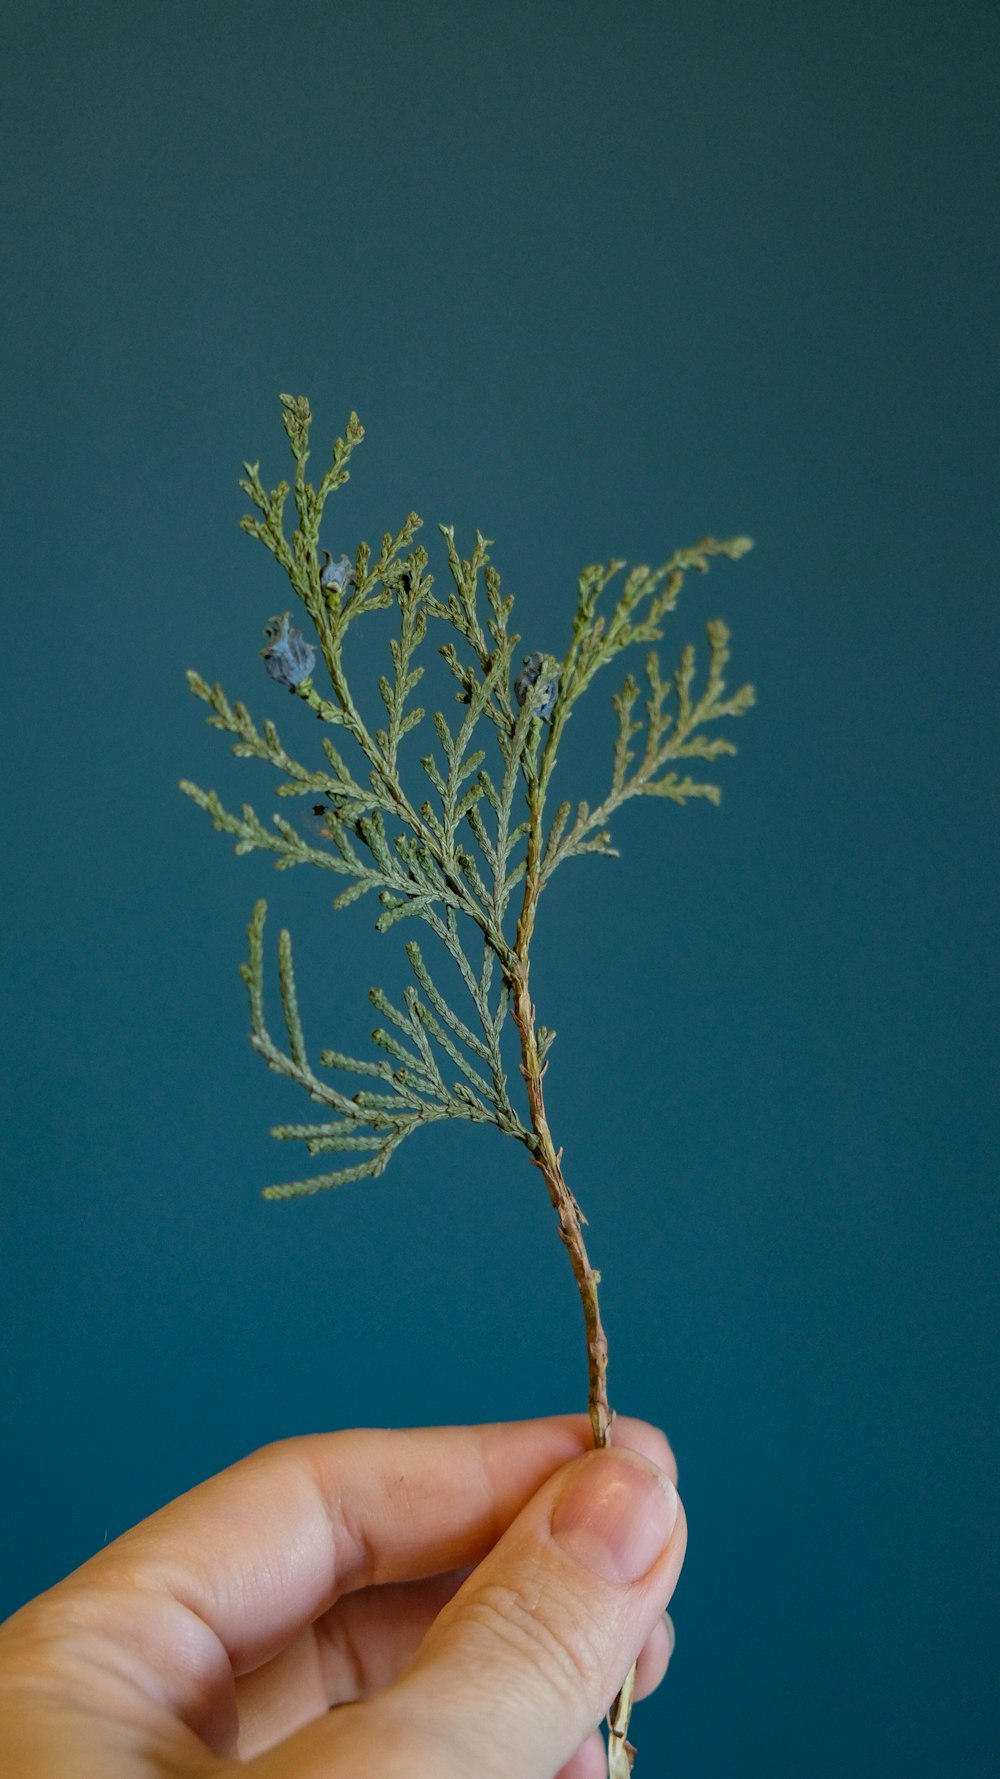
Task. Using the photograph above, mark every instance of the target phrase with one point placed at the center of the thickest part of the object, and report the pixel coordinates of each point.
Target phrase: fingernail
(616, 1515)
(671, 1632)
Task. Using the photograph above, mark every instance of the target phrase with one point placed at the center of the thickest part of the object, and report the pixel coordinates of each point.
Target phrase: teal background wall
(598, 279)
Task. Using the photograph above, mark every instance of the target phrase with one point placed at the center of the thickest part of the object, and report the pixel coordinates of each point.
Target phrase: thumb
(524, 1661)
(528, 1657)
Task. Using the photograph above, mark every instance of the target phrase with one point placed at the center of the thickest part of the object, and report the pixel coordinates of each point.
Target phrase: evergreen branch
(470, 871)
(365, 1170)
(236, 719)
(367, 1121)
(324, 1139)
(309, 502)
(588, 833)
(461, 609)
(269, 530)
(417, 1025)
(294, 1065)
(396, 1080)
(440, 1005)
(464, 854)
(461, 1061)
(252, 835)
(357, 800)
(418, 1065)
(290, 1001)
(448, 933)
(423, 1042)
(500, 607)
(555, 834)
(413, 628)
(623, 702)
(596, 640)
(382, 1004)
(397, 908)
(252, 971)
(487, 1048)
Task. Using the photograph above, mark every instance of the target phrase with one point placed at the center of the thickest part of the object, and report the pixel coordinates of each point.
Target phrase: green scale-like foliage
(452, 852)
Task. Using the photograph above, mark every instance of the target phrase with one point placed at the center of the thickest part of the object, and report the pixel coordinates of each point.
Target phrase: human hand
(470, 1599)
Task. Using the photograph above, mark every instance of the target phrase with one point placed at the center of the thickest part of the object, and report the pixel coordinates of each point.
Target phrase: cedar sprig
(457, 855)
(451, 849)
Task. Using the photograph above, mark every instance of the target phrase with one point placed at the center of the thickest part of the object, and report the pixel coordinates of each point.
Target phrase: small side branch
(411, 1089)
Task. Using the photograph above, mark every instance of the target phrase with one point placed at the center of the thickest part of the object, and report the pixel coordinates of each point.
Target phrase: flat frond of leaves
(412, 1075)
(451, 852)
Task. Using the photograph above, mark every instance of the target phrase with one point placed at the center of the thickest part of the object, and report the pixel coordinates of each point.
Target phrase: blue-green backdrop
(599, 279)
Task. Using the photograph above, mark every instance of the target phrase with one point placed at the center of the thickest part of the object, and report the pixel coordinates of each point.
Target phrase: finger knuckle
(538, 1632)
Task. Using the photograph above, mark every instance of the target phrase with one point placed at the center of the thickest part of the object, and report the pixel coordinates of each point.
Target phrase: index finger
(264, 1548)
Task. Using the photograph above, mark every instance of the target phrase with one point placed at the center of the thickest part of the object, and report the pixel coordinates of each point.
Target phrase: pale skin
(469, 1598)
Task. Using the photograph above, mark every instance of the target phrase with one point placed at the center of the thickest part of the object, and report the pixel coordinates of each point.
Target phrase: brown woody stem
(571, 1218)
(571, 1221)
